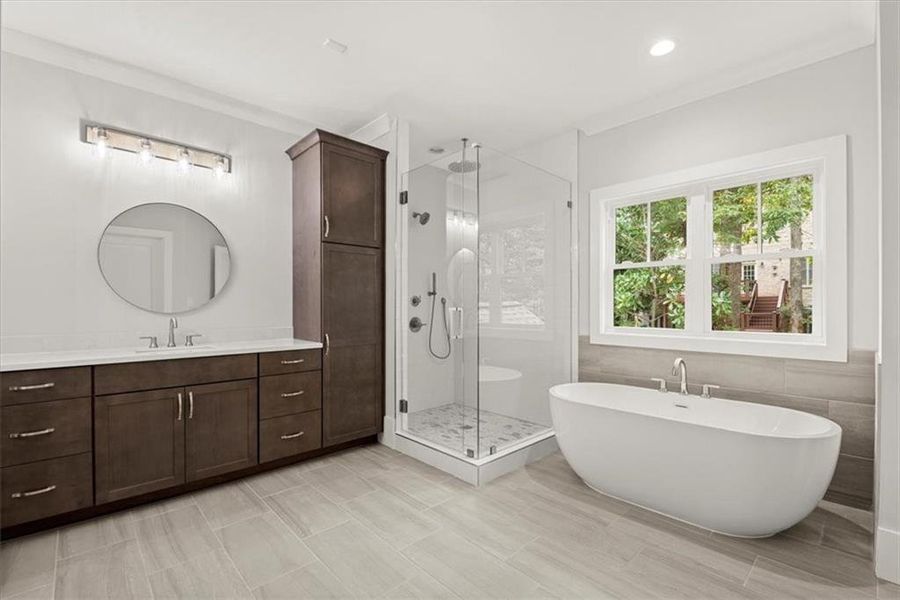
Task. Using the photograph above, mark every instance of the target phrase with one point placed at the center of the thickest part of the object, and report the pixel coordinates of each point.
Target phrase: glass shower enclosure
(486, 282)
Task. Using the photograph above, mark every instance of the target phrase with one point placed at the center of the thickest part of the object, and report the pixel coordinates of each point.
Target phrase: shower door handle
(458, 328)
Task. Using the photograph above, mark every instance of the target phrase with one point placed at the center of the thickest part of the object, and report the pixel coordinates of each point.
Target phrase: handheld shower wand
(433, 293)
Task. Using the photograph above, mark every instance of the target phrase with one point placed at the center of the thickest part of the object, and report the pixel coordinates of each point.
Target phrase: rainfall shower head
(463, 166)
(422, 217)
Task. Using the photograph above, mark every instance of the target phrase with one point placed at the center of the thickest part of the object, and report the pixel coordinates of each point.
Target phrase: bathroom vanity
(87, 433)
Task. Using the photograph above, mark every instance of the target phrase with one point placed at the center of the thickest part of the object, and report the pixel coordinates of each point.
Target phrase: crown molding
(87, 63)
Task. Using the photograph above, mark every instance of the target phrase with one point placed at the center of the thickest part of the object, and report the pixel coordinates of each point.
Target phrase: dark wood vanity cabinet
(338, 203)
(138, 443)
(221, 428)
(352, 317)
(156, 439)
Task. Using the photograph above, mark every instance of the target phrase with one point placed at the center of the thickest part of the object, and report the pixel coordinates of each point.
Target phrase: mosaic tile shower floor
(454, 426)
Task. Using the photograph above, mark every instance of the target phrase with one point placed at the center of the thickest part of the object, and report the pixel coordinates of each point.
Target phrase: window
(719, 258)
(749, 272)
(512, 260)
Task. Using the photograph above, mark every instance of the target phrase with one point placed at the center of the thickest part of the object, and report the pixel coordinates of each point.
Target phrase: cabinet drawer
(281, 395)
(292, 361)
(22, 387)
(279, 437)
(135, 377)
(45, 488)
(43, 430)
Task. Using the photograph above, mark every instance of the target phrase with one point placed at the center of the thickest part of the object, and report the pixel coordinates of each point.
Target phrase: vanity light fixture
(147, 148)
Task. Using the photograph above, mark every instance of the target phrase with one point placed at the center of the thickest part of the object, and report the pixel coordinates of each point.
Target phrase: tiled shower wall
(843, 392)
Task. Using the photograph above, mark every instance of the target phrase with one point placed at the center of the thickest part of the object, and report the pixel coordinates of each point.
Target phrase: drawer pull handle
(36, 386)
(291, 436)
(45, 490)
(292, 394)
(293, 362)
(28, 434)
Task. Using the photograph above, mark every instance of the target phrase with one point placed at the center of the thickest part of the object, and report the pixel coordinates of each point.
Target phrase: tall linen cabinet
(338, 276)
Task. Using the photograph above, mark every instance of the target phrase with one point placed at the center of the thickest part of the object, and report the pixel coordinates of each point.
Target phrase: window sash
(700, 252)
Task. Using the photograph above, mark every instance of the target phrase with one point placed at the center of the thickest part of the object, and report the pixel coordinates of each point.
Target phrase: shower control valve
(416, 300)
(416, 324)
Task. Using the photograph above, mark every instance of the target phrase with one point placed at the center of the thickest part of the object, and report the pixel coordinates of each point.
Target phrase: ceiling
(503, 73)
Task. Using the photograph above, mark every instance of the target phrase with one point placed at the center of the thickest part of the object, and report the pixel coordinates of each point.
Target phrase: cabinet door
(222, 428)
(138, 443)
(352, 366)
(353, 197)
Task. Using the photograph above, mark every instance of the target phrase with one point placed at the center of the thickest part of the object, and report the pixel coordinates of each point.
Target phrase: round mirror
(164, 258)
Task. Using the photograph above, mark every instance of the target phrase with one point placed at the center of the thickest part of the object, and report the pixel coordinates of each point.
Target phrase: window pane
(522, 300)
(668, 229)
(631, 234)
(776, 300)
(787, 206)
(734, 221)
(649, 297)
(523, 248)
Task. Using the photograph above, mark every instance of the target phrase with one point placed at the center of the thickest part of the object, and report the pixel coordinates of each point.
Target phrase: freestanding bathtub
(737, 468)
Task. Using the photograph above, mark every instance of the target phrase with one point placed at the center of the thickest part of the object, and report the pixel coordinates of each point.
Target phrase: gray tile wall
(843, 392)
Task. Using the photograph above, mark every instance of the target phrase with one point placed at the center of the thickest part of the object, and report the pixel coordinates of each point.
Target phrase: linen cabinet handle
(327, 344)
(327, 226)
(36, 386)
(28, 434)
(180, 407)
(44, 490)
(190, 405)
(291, 436)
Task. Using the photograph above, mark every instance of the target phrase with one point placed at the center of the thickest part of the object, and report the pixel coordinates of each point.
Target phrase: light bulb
(184, 160)
(146, 152)
(102, 143)
(221, 167)
(662, 47)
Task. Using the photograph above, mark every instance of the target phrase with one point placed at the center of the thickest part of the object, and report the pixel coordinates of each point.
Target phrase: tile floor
(453, 426)
(372, 523)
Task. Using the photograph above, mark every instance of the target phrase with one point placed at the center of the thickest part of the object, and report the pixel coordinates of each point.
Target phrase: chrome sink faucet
(682, 366)
(173, 324)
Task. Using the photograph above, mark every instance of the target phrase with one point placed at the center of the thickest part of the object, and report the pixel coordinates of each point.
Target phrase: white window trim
(828, 157)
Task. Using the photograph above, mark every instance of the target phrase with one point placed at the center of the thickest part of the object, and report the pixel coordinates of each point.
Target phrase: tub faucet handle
(661, 382)
(707, 387)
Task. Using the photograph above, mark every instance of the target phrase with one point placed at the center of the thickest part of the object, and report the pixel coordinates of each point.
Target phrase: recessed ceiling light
(436, 150)
(335, 45)
(662, 47)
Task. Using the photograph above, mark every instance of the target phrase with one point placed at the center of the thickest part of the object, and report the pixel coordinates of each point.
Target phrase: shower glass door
(440, 229)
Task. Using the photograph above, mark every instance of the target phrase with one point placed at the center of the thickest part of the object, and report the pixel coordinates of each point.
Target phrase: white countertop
(80, 358)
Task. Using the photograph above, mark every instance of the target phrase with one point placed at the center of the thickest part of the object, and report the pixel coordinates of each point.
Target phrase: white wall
(56, 198)
(835, 96)
(887, 452)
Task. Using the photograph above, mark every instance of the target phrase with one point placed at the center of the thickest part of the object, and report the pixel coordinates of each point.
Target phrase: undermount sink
(177, 349)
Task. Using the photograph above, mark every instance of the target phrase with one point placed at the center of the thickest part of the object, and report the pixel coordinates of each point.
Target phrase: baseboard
(887, 554)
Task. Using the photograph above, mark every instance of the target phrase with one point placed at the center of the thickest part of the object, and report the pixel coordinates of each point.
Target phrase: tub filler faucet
(681, 366)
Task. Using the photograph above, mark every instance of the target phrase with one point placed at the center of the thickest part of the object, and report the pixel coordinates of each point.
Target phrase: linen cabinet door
(353, 197)
(353, 321)
(138, 443)
(222, 426)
